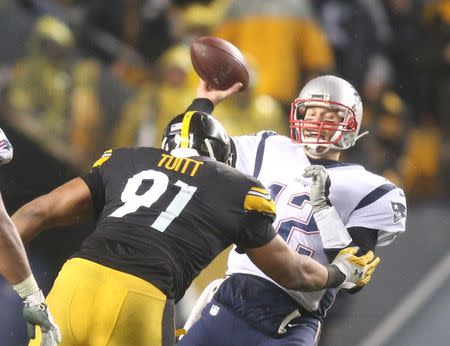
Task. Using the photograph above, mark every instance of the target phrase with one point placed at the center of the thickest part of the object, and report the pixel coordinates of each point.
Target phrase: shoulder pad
(259, 199)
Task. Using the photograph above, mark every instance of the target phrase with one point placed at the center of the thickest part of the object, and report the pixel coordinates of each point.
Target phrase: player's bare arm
(298, 272)
(66, 205)
(14, 266)
(13, 259)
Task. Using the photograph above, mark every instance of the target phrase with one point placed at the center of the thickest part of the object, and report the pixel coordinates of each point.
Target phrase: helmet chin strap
(316, 151)
(210, 149)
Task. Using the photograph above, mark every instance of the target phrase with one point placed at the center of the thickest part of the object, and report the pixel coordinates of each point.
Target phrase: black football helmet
(199, 131)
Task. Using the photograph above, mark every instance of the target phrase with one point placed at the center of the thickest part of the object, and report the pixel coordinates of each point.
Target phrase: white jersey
(6, 149)
(361, 198)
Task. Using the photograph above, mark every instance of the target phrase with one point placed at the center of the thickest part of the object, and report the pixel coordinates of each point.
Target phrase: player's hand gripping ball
(219, 63)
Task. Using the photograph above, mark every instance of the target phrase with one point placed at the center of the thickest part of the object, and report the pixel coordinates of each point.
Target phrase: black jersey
(164, 218)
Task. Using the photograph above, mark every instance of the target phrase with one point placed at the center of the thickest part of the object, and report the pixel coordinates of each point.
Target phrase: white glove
(357, 270)
(6, 149)
(36, 313)
(320, 188)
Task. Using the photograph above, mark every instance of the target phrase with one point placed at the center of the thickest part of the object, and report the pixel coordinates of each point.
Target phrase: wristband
(26, 287)
(335, 277)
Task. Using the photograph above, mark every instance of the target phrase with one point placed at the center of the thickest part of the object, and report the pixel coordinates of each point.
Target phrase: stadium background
(79, 77)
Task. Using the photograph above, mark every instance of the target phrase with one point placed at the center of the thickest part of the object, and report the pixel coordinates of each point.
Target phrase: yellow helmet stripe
(185, 130)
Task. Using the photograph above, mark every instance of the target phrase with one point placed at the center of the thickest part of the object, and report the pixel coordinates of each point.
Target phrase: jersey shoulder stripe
(374, 195)
(260, 151)
(259, 199)
(105, 157)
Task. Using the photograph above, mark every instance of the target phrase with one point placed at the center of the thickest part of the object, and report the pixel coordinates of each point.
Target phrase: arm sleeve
(201, 105)
(95, 183)
(364, 238)
(259, 213)
(256, 231)
(94, 180)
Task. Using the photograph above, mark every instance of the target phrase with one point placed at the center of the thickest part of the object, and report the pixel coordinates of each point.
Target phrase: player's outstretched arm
(66, 205)
(14, 266)
(294, 271)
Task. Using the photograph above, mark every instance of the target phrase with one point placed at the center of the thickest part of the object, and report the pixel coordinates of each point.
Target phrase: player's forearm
(13, 259)
(32, 218)
(306, 275)
(68, 204)
(290, 269)
(310, 275)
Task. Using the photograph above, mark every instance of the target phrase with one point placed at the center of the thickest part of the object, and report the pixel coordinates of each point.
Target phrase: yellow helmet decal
(185, 130)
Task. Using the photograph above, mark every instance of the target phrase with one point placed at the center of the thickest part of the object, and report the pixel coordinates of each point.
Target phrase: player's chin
(321, 149)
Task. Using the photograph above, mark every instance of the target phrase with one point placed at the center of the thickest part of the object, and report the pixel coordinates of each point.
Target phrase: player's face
(321, 114)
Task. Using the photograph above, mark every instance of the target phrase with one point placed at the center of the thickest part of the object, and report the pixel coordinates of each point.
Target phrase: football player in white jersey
(15, 268)
(323, 205)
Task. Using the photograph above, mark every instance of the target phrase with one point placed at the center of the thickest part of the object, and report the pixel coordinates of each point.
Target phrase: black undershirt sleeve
(201, 105)
(256, 230)
(365, 238)
(207, 106)
(362, 237)
(94, 181)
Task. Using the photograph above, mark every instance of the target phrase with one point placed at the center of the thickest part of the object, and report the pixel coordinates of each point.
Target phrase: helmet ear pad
(199, 131)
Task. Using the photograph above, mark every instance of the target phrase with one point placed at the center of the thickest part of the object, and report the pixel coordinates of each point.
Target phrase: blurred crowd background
(78, 77)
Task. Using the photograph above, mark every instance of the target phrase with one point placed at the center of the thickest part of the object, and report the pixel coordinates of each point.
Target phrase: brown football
(218, 62)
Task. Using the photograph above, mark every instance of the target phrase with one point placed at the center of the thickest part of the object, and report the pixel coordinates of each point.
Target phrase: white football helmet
(329, 92)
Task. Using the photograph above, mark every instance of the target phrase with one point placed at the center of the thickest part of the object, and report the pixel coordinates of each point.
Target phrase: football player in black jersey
(162, 216)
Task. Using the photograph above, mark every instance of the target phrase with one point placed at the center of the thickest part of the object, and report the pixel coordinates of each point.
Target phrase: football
(218, 62)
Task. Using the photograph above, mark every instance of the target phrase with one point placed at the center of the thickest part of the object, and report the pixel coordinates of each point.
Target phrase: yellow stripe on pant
(95, 305)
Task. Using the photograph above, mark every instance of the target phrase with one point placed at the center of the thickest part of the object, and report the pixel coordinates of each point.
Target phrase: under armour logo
(358, 273)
